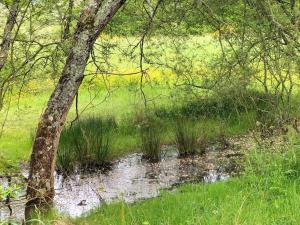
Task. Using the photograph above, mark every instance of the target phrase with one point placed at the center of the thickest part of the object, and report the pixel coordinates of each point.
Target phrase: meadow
(265, 193)
(183, 113)
(119, 97)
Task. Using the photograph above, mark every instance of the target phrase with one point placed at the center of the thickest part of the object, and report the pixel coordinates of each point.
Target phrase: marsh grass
(150, 134)
(87, 143)
(186, 136)
(127, 136)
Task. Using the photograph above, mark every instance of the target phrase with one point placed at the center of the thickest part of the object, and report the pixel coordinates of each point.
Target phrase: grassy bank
(267, 193)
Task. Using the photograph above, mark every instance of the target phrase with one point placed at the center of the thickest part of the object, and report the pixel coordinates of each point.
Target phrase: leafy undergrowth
(267, 193)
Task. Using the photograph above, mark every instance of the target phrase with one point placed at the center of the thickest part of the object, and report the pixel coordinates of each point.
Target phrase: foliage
(245, 64)
(222, 105)
(12, 191)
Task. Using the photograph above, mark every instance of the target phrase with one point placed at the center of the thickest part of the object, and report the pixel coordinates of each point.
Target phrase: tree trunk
(40, 189)
(10, 23)
(6, 41)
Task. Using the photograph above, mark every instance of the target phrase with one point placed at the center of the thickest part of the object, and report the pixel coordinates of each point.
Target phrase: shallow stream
(130, 179)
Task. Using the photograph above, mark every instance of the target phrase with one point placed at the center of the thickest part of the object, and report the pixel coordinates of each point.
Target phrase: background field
(119, 96)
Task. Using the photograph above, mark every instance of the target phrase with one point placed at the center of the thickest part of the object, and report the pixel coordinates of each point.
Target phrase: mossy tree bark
(92, 21)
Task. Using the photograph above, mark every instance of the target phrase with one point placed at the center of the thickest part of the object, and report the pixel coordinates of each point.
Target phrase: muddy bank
(132, 179)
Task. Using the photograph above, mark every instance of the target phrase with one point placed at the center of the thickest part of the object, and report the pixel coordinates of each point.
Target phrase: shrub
(223, 105)
(150, 138)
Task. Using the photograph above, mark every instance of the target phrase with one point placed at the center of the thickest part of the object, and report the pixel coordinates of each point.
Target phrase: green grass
(267, 193)
(124, 101)
(222, 203)
(16, 140)
(124, 105)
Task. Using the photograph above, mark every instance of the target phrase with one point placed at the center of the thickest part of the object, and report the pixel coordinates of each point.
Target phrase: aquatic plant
(150, 134)
(69, 148)
(86, 143)
(186, 137)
